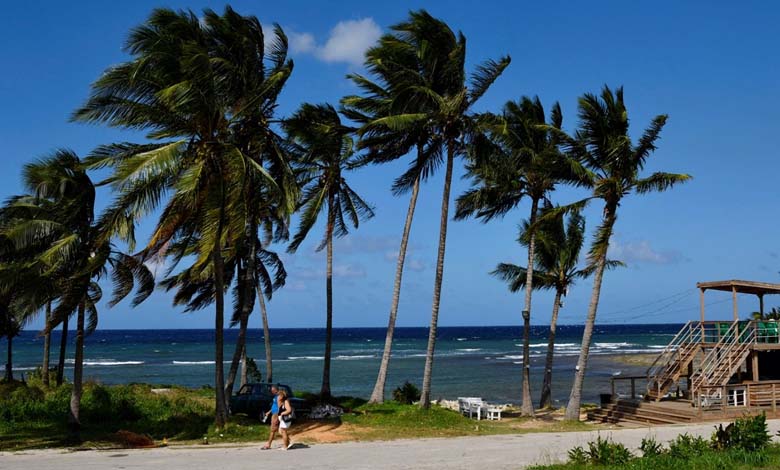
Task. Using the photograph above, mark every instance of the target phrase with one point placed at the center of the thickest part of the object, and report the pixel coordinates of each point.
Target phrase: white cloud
(347, 42)
(640, 251)
(347, 271)
(302, 42)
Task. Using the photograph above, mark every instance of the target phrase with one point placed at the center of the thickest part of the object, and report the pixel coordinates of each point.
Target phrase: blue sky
(712, 66)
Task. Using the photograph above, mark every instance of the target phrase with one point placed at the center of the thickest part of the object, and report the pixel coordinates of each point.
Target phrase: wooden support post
(633, 388)
(774, 400)
(688, 380)
(761, 305)
(734, 299)
(701, 307)
(754, 363)
(612, 382)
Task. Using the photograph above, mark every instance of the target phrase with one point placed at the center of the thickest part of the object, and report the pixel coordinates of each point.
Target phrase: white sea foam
(461, 339)
(613, 345)
(360, 356)
(307, 358)
(105, 362)
(470, 349)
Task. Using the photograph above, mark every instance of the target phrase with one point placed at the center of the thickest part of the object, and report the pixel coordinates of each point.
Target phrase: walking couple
(282, 414)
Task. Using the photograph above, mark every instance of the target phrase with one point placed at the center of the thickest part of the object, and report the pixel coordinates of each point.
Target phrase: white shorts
(284, 424)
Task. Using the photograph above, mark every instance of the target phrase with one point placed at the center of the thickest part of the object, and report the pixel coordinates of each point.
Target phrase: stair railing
(720, 362)
(657, 373)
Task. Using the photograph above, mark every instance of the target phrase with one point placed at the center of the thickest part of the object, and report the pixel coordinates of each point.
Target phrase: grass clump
(744, 444)
(32, 416)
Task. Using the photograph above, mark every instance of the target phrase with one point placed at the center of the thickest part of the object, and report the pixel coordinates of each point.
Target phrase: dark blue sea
(470, 361)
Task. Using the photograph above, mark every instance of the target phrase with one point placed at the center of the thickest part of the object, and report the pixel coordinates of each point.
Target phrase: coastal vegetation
(142, 415)
(744, 444)
(224, 175)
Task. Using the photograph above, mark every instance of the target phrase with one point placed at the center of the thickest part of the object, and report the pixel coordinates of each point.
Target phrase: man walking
(274, 412)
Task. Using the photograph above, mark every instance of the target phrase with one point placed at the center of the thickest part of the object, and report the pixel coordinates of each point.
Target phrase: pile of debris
(325, 412)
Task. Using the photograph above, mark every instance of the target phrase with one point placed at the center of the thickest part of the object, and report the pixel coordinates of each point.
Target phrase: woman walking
(286, 415)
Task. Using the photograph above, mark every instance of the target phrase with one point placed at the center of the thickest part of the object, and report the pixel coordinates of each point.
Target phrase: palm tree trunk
(527, 407)
(378, 395)
(243, 378)
(269, 366)
(575, 398)
(74, 421)
(325, 390)
(46, 347)
(425, 396)
(219, 323)
(237, 355)
(247, 279)
(546, 398)
(63, 349)
(9, 365)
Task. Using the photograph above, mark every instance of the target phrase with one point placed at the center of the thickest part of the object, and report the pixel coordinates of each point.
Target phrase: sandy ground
(494, 452)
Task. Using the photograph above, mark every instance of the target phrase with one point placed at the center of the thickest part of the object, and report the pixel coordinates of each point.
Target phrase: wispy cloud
(641, 252)
(347, 41)
(347, 271)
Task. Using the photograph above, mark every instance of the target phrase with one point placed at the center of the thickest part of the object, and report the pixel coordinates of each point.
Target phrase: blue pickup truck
(254, 399)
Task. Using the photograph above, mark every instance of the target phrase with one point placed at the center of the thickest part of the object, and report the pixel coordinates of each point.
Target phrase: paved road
(493, 452)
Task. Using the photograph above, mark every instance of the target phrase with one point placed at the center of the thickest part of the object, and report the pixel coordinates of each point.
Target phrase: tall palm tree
(396, 66)
(10, 327)
(603, 145)
(55, 226)
(442, 107)
(181, 85)
(556, 262)
(517, 158)
(326, 152)
(46, 345)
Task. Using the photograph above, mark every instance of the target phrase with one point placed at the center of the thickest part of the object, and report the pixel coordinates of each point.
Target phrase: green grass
(32, 416)
(394, 421)
(711, 460)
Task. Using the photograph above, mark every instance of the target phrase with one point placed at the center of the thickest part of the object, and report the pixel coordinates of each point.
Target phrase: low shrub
(686, 446)
(406, 394)
(650, 447)
(601, 452)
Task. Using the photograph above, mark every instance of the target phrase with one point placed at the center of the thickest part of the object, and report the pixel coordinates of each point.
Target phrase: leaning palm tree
(518, 158)
(181, 85)
(325, 150)
(603, 145)
(556, 263)
(442, 103)
(55, 228)
(396, 66)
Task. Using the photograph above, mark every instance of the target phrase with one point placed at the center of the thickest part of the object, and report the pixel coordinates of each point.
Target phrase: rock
(325, 412)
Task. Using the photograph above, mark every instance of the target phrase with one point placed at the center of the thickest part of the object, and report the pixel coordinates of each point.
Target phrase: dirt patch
(325, 431)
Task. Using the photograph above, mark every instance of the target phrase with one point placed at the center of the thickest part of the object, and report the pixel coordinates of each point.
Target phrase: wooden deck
(640, 412)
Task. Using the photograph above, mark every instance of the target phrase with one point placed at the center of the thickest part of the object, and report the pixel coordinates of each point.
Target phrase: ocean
(470, 361)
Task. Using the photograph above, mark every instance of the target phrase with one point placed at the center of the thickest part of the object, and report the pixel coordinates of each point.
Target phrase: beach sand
(494, 452)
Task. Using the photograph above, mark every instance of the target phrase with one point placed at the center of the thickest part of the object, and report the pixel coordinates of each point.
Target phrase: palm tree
(46, 346)
(557, 256)
(182, 84)
(518, 158)
(603, 145)
(441, 104)
(396, 66)
(54, 226)
(325, 151)
(10, 327)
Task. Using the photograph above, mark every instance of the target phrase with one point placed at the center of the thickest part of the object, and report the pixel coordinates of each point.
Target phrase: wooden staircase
(643, 413)
(673, 361)
(724, 359)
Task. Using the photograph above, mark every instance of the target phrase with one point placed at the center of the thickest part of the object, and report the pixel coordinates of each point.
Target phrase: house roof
(743, 287)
